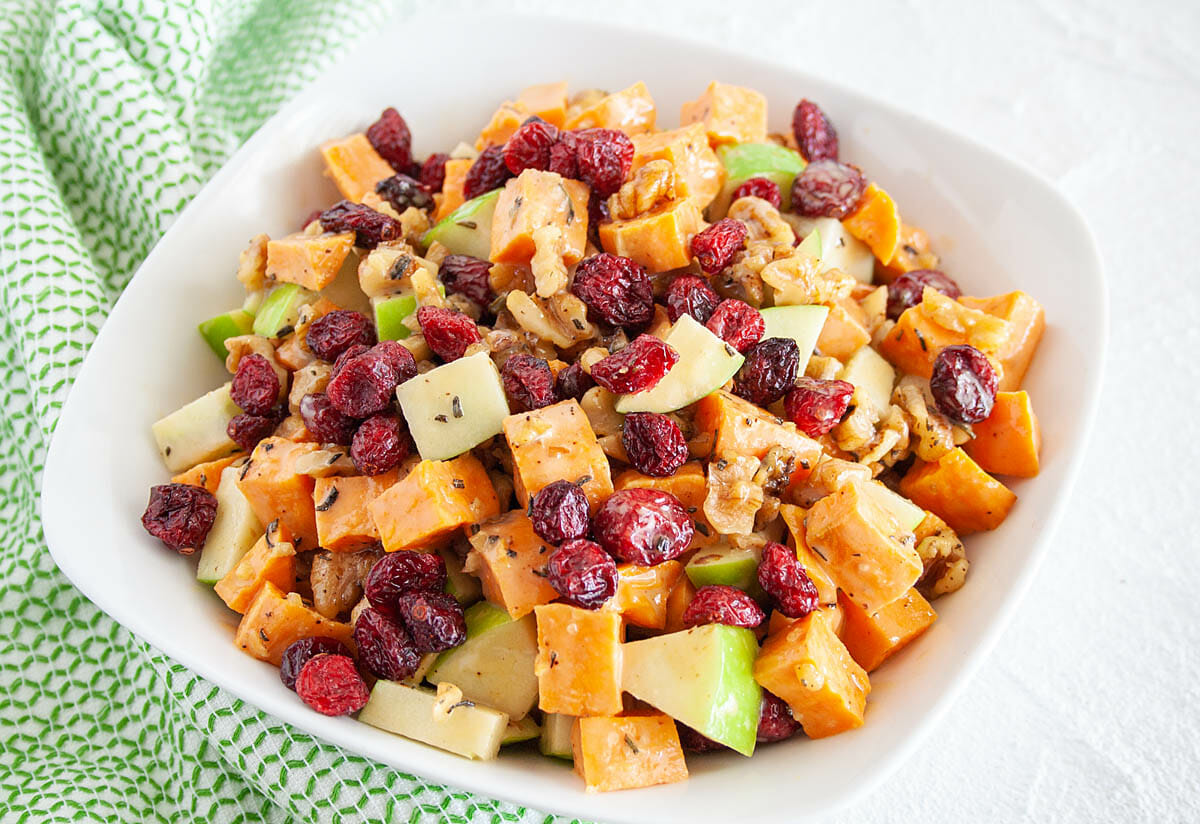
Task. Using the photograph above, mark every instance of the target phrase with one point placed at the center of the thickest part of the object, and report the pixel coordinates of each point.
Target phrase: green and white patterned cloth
(113, 113)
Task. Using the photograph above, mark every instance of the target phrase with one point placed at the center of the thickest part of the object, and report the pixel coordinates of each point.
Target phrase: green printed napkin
(113, 113)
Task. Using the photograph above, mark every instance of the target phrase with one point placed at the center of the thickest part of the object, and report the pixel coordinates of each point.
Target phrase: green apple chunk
(705, 363)
(463, 586)
(233, 533)
(908, 514)
(226, 325)
(195, 433)
(470, 731)
(281, 309)
(390, 314)
(800, 323)
(468, 229)
(743, 161)
(556, 736)
(494, 666)
(702, 677)
(518, 732)
(868, 371)
(725, 565)
(840, 249)
(454, 407)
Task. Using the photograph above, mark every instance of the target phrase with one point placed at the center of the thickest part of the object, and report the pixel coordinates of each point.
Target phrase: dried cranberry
(690, 295)
(564, 155)
(529, 147)
(572, 382)
(247, 430)
(719, 604)
(815, 135)
(344, 358)
(639, 366)
(180, 515)
(783, 577)
(370, 227)
(332, 334)
(775, 721)
(380, 444)
(402, 192)
(434, 620)
(331, 685)
(384, 646)
(964, 383)
(469, 276)
(692, 741)
(447, 332)
(392, 139)
(654, 444)
(325, 422)
(363, 386)
(737, 323)
(433, 172)
(909, 289)
(398, 357)
(817, 406)
(760, 187)
(298, 653)
(616, 290)
(827, 188)
(255, 385)
(643, 526)
(604, 157)
(582, 573)
(528, 383)
(768, 372)
(486, 173)
(715, 247)
(399, 572)
(559, 512)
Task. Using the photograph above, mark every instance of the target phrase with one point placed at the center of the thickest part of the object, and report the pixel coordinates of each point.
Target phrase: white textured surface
(1089, 708)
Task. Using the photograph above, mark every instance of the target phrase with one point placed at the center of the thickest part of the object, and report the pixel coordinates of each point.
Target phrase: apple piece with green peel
(702, 677)
(281, 309)
(494, 666)
(705, 363)
(226, 325)
(840, 249)
(725, 565)
(470, 731)
(556, 736)
(234, 531)
(800, 323)
(454, 407)
(195, 433)
(867, 370)
(390, 314)
(743, 161)
(468, 229)
(518, 732)
(907, 514)
(462, 586)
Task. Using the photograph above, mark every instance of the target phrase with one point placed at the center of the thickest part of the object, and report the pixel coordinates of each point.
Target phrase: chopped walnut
(449, 698)
(308, 380)
(462, 303)
(421, 352)
(337, 579)
(933, 432)
(733, 498)
(600, 406)
(613, 447)
(798, 280)
(742, 278)
(943, 556)
(829, 476)
(509, 277)
(985, 332)
(503, 484)
(243, 345)
(890, 445)
(763, 221)
(591, 356)
(560, 319)
(388, 269)
(376, 202)
(425, 287)
(823, 368)
(549, 271)
(415, 224)
(775, 471)
(436, 253)
(650, 185)
(857, 429)
(252, 264)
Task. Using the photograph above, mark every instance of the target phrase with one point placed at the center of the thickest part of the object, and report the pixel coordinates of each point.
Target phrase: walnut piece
(337, 579)
(733, 498)
(252, 264)
(650, 186)
(549, 269)
(943, 556)
(560, 319)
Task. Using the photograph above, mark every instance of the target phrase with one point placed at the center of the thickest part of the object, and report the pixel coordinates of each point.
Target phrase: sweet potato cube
(778, 622)
(809, 667)
(1027, 322)
(876, 222)
(630, 110)
(505, 120)
(432, 501)
(510, 560)
(660, 239)
(872, 637)
(311, 261)
(730, 114)
(915, 341)
(579, 660)
(739, 427)
(344, 522)
(699, 173)
(555, 443)
(547, 101)
(275, 490)
(354, 165)
(677, 603)
(914, 252)
(1009, 441)
(627, 752)
(534, 199)
(206, 475)
(843, 334)
(274, 621)
(869, 553)
(794, 517)
(452, 187)
(959, 492)
(271, 560)
(642, 593)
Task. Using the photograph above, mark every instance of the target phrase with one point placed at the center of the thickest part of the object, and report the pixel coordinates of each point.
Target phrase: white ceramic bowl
(998, 226)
